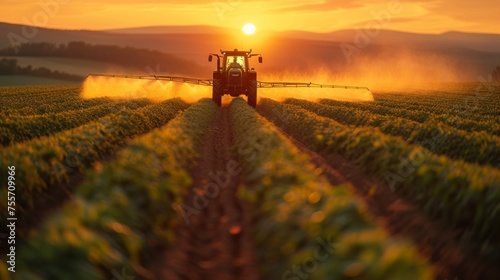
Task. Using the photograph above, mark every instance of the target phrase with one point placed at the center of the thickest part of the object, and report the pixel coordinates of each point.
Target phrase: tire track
(214, 243)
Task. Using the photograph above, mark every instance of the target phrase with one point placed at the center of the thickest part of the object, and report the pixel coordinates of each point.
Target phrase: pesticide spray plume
(156, 90)
(389, 71)
(403, 70)
(319, 76)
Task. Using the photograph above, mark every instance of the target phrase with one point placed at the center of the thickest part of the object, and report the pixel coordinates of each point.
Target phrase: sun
(248, 29)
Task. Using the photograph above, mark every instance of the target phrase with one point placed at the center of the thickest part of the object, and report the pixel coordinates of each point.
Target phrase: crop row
(474, 147)
(482, 106)
(34, 96)
(18, 129)
(43, 163)
(124, 210)
(443, 94)
(467, 110)
(463, 195)
(18, 91)
(450, 93)
(454, 119)
(478, 105)
(48, 108)
(304, 227)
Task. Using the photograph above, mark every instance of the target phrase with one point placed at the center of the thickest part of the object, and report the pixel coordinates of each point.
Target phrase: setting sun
(249, 29)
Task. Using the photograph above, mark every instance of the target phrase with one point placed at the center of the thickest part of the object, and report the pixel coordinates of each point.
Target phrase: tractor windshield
(235, 62)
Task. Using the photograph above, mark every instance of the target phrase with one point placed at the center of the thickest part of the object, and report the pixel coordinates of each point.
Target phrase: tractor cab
(235, 70)
(235, 62)
(234, 76)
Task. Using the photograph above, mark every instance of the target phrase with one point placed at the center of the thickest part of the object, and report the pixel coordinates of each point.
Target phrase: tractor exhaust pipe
(218, 60)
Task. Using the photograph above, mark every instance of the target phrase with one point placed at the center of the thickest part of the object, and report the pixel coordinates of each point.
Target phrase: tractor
(234, 76)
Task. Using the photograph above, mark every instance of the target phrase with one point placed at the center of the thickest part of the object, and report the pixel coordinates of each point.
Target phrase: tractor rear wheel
(217, 91)
(252, 93)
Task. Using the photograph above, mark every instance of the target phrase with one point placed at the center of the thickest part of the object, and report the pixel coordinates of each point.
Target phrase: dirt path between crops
(215, 244)
(449, 259)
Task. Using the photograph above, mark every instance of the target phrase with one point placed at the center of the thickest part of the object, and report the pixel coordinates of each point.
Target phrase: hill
(191, 29)
(392, 55)
(473, 41)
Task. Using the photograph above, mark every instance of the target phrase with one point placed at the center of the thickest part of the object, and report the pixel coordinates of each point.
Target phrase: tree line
(11, 67)
(141, 59)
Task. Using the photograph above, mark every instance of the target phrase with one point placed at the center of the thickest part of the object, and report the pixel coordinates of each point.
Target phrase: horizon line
(229, 28)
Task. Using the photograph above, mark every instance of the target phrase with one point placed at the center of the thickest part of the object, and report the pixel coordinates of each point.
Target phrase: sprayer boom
(302, 84)
(204, 82)
(209, 82)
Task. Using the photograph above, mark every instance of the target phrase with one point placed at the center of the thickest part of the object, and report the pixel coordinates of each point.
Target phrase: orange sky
(421, 16)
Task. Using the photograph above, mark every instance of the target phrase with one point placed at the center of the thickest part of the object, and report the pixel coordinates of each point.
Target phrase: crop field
(403, 187)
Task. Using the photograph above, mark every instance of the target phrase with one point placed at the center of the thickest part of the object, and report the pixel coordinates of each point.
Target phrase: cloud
(470, 11)
(304, 6)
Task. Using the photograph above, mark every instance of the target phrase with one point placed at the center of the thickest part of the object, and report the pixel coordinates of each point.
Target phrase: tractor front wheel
(217, 91)
(252, 93)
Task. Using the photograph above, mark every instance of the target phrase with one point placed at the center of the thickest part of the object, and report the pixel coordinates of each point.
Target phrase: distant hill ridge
(482, 41)
(469, 55)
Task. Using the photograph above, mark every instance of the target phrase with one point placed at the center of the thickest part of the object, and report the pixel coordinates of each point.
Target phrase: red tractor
(234, 76)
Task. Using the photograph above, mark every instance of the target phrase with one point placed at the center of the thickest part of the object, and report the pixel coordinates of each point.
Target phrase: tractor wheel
(252, 93)
(217, 91)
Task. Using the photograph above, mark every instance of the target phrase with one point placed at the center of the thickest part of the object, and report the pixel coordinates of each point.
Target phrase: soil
(215, 244)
